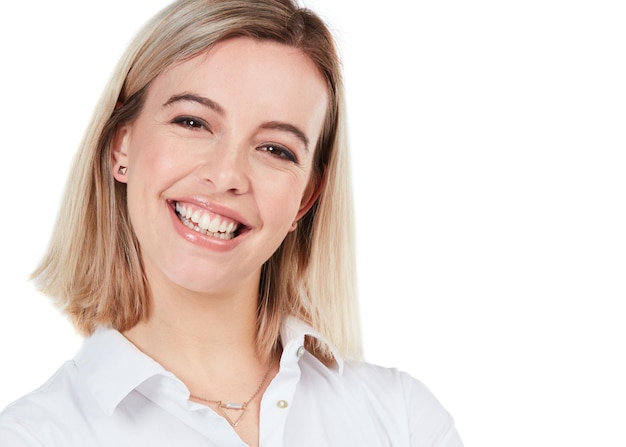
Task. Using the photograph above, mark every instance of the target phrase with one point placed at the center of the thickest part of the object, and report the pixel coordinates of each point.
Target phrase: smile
(203, 222)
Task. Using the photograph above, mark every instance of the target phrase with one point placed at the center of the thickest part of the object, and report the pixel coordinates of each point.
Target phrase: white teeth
(215, 225)
(202, 222)
(195, 217)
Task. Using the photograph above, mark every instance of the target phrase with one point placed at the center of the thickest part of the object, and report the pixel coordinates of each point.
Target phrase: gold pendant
(233, 406)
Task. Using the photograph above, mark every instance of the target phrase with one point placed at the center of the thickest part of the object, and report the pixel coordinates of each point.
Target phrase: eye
(279, 151)
(191, 122)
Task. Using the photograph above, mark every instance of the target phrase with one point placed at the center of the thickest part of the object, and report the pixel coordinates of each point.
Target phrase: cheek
(146, 155)
(149, 174)
(280, 202)
(152, 163)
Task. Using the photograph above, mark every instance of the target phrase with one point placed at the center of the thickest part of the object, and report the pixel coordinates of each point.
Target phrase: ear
(312, 193)
(119, 154)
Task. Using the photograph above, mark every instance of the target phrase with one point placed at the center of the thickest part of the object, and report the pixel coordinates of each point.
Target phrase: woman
(204, 247)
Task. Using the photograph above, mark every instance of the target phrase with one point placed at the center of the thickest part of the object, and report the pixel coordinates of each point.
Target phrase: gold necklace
(236, 406)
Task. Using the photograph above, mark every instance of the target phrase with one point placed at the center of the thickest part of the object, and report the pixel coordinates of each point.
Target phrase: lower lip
(203, 240)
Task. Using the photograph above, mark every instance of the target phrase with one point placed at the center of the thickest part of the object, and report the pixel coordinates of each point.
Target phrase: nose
(226, 169)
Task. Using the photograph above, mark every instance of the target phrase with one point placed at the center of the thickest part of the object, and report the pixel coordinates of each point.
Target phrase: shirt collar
(293, 333)
(112, 367)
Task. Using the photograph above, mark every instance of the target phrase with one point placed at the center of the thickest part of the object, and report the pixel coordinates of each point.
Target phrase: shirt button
(300, 352)
(282, 404)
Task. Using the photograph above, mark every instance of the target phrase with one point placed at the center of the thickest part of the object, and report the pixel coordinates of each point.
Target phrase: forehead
(247, 72)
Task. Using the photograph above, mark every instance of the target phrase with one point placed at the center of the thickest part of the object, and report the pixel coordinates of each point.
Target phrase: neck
(207, 341)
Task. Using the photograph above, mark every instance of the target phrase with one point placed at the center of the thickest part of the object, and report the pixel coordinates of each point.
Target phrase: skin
(231, 132)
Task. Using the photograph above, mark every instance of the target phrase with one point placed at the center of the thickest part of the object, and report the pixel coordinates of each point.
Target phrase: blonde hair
(93, 265)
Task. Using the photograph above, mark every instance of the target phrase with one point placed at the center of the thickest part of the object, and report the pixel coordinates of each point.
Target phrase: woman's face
(219, 162)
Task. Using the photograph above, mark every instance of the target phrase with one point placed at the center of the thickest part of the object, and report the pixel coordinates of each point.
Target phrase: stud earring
(122, 170)
(294, 225)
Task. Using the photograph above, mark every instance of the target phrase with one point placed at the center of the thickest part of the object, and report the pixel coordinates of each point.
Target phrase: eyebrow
(196, 98)
(209, 103)
(286, 127)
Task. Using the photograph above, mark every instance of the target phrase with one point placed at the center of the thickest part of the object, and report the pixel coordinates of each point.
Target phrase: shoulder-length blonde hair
(93, 265)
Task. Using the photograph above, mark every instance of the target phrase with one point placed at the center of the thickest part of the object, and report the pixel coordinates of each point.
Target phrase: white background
(488, 142)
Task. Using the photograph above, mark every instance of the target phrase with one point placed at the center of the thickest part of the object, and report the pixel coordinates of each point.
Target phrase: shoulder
(393, 385)
(396, 402)
(35, 417)
(428, 422)
(46, 398)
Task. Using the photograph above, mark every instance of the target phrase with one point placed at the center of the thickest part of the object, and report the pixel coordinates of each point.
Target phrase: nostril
(228, 171)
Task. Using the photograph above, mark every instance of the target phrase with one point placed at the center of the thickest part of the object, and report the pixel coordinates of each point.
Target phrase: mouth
(207, 223)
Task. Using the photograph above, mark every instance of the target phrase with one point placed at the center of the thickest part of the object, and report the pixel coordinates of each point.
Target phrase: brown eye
(279, 151)
(191, 122)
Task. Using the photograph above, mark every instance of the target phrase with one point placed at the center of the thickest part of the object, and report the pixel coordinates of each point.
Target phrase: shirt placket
(278, 398)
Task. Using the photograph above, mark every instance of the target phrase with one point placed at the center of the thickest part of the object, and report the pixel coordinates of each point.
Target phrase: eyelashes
(194, 123)
(191, 122)
(279, 151)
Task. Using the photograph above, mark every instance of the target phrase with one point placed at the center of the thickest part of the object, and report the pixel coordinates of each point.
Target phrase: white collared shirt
(112, 394)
